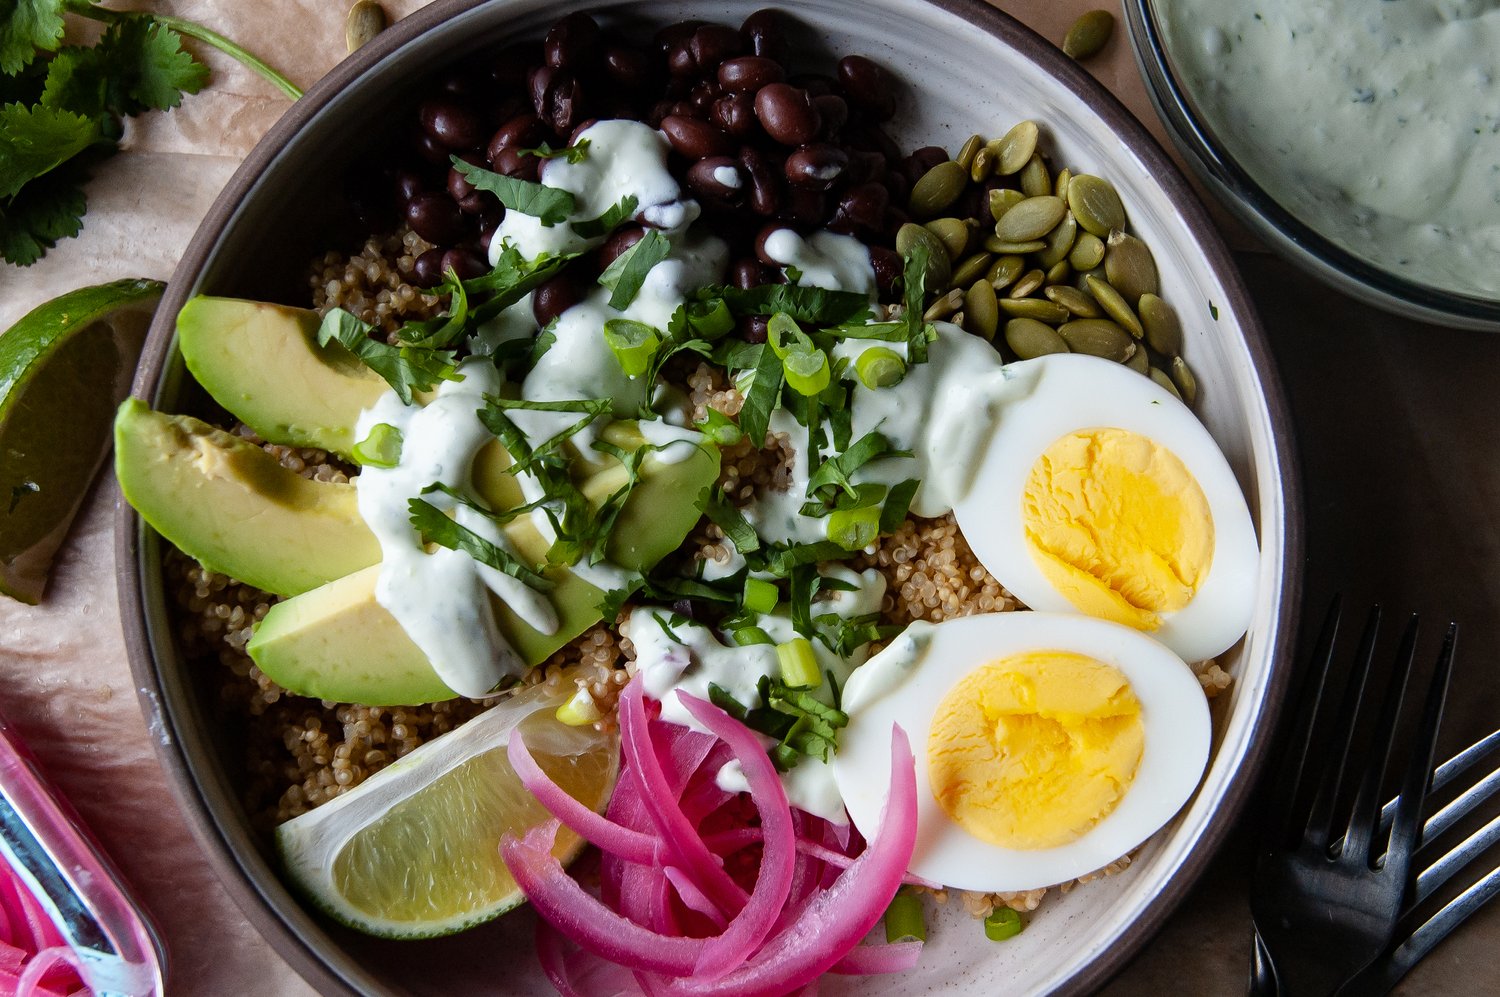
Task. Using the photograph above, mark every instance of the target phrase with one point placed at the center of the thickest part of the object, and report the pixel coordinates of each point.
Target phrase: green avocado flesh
(263, 363)
(337, 643)
(227, 503)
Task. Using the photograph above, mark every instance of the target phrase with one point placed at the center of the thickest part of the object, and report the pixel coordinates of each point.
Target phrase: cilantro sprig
(61, 106)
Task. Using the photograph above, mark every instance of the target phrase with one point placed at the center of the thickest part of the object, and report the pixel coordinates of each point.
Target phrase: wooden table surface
(1397, 425)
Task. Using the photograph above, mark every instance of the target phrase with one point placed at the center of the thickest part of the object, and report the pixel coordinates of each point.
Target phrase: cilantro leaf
(787, 558)
(49, 209)
(835, 473)
(723, 514)
(511, 279)
(627, 273)
(36, 140)
(547, 204)
(575, 153)
(435, 526)
(915, 279)
(897, 505)
(765, 388)
(27, 28)
(813, 305)
(614, 216)
(405, 368)
(149, 66)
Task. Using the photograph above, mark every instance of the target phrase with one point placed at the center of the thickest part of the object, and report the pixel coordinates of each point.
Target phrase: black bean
(816, 84)
(554, 297)
(749, 272)
(816, 166)
(750, 72)
(868, 85)
(804, 207)
(572, 43)
(435, 218)
(680, 59)
(735, 113)
(427, 270)
(488, 223)
(762, 30)
(524, 131)
(682, 31)
(557, 97)
(470, 201)
(865, 166)
(766, 231)
(629, 67)
(918, 163)
(900, 187)
(864, 207)
(752, 328)
(717, 179)
(787, 114)
(512, 67)
(888, 266)
(431, 149)
(765, 181)
(834, 112)
(695, 139)
(466, 263)
(408, 185)
(619, 240)
(714, 43)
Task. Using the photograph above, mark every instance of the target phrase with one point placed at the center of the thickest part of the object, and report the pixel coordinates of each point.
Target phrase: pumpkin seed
(983, 309)
(1074, 300)
(1098, 337)
(1060, 187)
(939, 267)
(1096, 204)
(1042, 311)
(1166, 382)
(1115, 306)
(995, 245)
(1016, 148)
(1088, 252)
(366, 20)
(1129, 266)
(1035, 180)
(944, 306)
(938, 189)
(1032, 219)
(983, 166)
(1088, 35)
(1139, 361)
(1004, 271)
(1059, 242)
(1029, 283)
(1002, 200)
(1163, 327)
(972, 268)
(1187, 384)
(952, 233)
(971, 147)
(1059, 272)
(1029, 339)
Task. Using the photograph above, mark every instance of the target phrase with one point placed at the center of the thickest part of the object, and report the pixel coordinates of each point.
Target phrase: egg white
(1072, 392)
(905, 683)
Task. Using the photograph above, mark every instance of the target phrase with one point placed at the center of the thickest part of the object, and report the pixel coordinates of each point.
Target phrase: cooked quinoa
(301, 753)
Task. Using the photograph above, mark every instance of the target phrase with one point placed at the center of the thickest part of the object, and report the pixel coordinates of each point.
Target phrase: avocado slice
(227, 503)
(263, 363)
(337, 643)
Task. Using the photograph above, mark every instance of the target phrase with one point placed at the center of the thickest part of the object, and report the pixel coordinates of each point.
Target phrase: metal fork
(1324, 904)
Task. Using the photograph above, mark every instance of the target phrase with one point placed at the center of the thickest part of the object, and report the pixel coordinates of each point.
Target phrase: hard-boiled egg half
(1047, 745)
(1100, 492)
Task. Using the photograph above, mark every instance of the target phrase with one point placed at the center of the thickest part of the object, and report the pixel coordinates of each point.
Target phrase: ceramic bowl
(1211, 153)
(965, 67)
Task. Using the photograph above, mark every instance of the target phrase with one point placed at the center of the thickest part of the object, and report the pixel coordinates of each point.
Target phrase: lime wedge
(414, 852)
(64, 368)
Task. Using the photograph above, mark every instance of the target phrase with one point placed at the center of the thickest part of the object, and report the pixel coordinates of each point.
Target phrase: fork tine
(1461, 806)
(1294, 767)
(1364, 814)
(1407, 828)
(1444, 774)
(1320, 819)
(1431, 879)
(1382, 975)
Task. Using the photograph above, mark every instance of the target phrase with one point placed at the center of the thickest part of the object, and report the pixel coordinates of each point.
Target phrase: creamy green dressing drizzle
(1377, 122)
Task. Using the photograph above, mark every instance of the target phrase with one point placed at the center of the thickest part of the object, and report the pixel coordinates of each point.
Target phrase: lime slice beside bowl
(64, 368)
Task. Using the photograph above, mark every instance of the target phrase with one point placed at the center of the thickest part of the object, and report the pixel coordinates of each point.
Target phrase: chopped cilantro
(549, 205)
(575, 153)
(898, 504)
(914, 278)
(614, 216)
(835, 473)
(435, 526)
(723, 514)
(765, 388)
(627, 273)
(813, 305)
(405, 368)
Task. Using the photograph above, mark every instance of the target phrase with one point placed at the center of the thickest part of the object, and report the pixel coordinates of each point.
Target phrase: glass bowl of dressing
(1359, 140)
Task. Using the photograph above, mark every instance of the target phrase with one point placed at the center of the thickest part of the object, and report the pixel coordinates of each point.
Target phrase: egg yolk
(1118, 525)
(1033, 750)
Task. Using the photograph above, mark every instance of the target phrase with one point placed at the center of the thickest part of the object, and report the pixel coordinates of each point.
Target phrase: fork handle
(1263, 981)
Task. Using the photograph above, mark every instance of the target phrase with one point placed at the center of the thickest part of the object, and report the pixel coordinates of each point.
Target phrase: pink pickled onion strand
(835, 920)
(597, 830)
(582, 917)
(553, 960)
(34, 958)
(774, 880)
(44, 962)
(704, 797)
(682, 844)
(680, 752)
(693, 897)
(596, 979)
(874, 960)
(11, 958)
(730, 841)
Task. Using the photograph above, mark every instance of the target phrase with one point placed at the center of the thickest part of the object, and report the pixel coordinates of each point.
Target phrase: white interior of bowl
(959, 80)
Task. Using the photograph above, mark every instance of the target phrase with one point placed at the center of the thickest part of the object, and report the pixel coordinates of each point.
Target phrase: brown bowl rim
(240, 883)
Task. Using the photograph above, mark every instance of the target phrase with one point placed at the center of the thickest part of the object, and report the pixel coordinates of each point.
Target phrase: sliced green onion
(382, 448)
(746, 636)
(710, 319)
(799, 666)
(880, 367)
(633, 343)
(1002, 923)
(720, 428)
(905, 921)
(580, 711)
(807, 371)
(854, 529)
(784, 334)
(761, 596)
